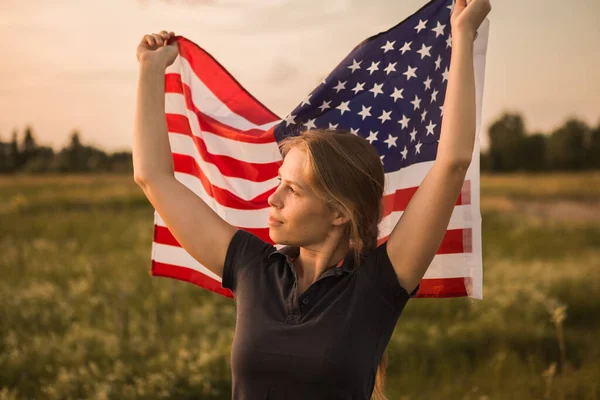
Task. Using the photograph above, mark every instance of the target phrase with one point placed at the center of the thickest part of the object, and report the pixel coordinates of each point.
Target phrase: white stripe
(204, 99)
(178, 256)
(259, 153)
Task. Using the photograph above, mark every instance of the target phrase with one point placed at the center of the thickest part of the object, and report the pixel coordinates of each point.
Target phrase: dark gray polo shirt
(325, 344)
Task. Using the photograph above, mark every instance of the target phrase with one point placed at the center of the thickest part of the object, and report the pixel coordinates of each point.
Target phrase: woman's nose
(272, 200)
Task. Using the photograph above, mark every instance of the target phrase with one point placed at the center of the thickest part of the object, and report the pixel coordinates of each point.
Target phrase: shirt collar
(291, 252)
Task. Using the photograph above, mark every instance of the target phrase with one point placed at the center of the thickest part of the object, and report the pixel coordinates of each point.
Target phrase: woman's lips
(273, 221)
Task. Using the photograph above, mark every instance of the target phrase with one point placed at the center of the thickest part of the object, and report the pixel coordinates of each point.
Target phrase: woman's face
(303, 218)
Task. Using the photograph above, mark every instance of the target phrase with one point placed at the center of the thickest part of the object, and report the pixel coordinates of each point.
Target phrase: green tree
(593, 148)
(566, 146)
(505, 135)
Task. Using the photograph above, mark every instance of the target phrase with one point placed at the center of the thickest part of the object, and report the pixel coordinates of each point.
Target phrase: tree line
(574, 146)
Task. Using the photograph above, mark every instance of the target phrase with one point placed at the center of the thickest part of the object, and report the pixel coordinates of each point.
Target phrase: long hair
(346, 173)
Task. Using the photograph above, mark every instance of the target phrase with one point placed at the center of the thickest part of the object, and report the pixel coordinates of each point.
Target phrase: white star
(397, 94)
(416, 103)
(343, 106)
(385, 116)
(427, 83)
(310, 123)
(341, 85)
(439, 29)
(381, 158)
(413, 134)
(306, 100)
(430, 128)
(388, 46)
(354, 131)
(442, 111)
(376, 89)
(449, 41)
(406, 47)
(424, 51)
(372, 136)
(390, 68)
(451, 7)
(438, 63)
(323, 81)
(358, 87)
(325, 105)
(404, 121)
(391, 140)
(434, 95)
(332, 126)
(355, 65)
(366, 112)
(421, 25)
(423, 115)
(418, 148)
(445, 75)
(374, 67)
(404, 153)
(410, 73)
(289, 120)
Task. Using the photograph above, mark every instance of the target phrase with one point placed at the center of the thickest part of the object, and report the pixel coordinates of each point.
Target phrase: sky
(70, 64)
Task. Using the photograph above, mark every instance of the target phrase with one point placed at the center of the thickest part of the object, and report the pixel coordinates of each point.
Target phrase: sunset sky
(71, 64)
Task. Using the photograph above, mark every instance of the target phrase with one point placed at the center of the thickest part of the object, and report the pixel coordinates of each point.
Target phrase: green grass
(81, 317)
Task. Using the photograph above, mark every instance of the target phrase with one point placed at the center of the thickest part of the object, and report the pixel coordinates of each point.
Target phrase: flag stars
(404, 122)
(445, 75)
(410, 73)
(449, 41)
(404, 153)
(374, 67)
(358, 87)
(434, 95)
(325, 105)
(366, 112)
(397, 94)
(376, 89)
(290, 120)
(332, 126)
(343, 107)
(354, 131)
(423, 115)
(427, 83)
(355, 65)
(372, 136)
(306, 100)
(406, 47)
(390, 68)
(442, 111)
(413, 135)
(438, 62)
(385, 116)
(439, 29)
(424, 52)
(418, 148)
(430, 128)
(422, 25)
(310, 124)
(416, 103)
(388, 46)
(340, 86)
(391, 141)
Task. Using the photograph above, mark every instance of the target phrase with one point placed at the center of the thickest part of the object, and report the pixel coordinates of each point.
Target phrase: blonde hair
(347, 174)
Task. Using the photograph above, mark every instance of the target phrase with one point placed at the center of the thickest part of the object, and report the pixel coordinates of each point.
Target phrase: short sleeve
(381, 272)
(245, 250)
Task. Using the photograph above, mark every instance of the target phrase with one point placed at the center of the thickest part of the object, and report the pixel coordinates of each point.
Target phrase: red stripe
(173, 84)
(443, 287)
(438, 288)
(189, 275)
(223, 85)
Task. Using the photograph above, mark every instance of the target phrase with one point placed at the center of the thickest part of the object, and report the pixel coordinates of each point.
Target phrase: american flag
(389, 89)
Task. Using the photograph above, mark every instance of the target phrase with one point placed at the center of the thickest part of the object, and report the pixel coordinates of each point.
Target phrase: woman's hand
(466, 18)
(155, 48)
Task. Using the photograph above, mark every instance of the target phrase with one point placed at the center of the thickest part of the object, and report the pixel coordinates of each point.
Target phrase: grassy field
(80, 317)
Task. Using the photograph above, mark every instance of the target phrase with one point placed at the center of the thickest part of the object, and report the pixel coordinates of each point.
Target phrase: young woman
(314, 318)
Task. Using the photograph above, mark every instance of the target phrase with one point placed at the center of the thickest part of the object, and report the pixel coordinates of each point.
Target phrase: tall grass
(80, 317)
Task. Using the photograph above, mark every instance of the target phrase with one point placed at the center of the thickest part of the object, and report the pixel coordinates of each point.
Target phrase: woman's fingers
(158, 39)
